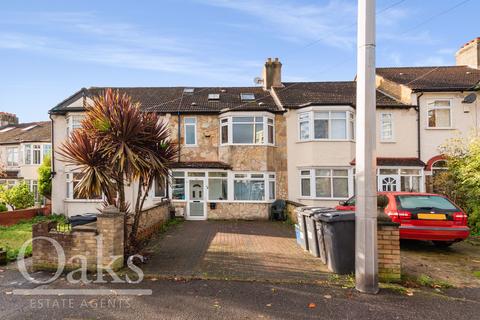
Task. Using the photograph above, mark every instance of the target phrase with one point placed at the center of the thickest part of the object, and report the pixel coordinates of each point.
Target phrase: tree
(462, 180)
(118, 144)
(45, 177)
(18, 196)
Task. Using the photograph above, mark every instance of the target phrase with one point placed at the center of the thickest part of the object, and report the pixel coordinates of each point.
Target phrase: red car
(422, 216)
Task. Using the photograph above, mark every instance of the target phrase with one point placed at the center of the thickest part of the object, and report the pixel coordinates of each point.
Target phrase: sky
(49, 49)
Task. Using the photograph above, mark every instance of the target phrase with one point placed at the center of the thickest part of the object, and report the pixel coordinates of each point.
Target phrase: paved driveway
(240, 250)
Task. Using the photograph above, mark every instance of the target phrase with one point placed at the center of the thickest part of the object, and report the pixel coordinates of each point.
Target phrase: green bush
(45, 177)
(18, 196)
(3, 207)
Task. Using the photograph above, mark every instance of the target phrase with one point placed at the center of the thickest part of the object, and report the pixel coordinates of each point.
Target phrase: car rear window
(425, 202)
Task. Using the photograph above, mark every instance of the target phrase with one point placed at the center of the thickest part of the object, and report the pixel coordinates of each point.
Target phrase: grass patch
(425, 281)
(476, 274)
(13, 237)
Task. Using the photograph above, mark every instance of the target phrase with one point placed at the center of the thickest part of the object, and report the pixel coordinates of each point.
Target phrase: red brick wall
(12, 217)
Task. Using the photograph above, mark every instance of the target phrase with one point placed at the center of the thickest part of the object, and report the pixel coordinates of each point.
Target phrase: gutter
(417, 108)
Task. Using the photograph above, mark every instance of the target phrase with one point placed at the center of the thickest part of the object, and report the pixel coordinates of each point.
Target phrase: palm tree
(118, 144)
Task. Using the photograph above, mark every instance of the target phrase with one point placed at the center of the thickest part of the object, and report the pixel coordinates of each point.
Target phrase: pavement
(234, 250)
(213, 299)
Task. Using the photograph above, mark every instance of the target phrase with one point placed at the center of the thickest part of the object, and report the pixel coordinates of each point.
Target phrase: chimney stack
(469, 54)
(7, 119)
(272, 74)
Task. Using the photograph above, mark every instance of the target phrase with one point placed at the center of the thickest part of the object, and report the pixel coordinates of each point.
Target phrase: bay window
(247, 130)
(73, 179)
(326, 183)
(249, 187)
(439, 114)
(326, 125)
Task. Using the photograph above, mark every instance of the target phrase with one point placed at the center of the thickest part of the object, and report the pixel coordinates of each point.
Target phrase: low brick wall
(10, 218)
(239, 211)
(81, 241)
(291, 206)
(153, 219)
(388, 238)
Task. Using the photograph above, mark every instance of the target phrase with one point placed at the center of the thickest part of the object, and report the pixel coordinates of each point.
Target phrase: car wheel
(443, 244)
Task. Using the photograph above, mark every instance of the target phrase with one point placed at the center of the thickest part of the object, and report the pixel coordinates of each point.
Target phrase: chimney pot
(272, 74)
(469, 54)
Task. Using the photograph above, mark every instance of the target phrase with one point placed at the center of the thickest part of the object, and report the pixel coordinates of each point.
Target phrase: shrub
(3, 207)
(45, 177)
(18, 196)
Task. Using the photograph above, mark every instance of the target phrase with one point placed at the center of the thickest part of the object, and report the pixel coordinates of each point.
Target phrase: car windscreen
(424, 202)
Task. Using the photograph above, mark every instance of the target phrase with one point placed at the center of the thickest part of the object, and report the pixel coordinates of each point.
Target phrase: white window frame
(431, 106)
(165, 190)
(208, 178)
(32, 147)
(12, 152)
(312, 176)
(268, 176)
(74, 122)
(307, 115)
(398, 175)
(194, 125)
(229, 124)
(384, 118)
(69, 185)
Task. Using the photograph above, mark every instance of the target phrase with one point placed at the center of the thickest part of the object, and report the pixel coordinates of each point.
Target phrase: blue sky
(50, 49)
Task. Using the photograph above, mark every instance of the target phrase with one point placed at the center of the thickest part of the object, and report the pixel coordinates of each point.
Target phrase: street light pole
(366, 264)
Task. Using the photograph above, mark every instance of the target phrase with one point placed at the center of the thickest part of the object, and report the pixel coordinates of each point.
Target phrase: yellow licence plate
(432, 216)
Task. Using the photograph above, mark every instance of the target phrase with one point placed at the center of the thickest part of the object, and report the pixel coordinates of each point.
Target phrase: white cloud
(332, 24)
(85, 38)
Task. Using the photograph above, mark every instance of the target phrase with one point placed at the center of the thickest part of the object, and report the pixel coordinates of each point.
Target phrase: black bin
(80, 220)
(338, 231)
(311, 228)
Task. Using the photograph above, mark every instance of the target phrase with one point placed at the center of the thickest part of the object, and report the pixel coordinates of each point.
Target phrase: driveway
(235, 250)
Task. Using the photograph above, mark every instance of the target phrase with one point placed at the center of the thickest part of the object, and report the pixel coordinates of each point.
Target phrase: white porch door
(196, 200)
(389, 183)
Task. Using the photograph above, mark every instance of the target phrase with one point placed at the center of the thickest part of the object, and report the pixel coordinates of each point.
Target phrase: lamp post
(366, 264)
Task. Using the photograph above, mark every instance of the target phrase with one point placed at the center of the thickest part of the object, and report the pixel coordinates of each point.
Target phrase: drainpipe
(417, 108)
(52, 170)
(178, 135)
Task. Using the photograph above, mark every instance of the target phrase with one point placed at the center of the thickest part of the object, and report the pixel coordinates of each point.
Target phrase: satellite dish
(258, 80)
(470, 98)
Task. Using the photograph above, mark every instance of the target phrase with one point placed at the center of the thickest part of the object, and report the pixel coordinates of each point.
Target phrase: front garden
(13, 237)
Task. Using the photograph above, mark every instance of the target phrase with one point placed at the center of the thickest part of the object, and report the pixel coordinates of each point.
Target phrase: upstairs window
(386, 127)
(326, 125)
(439, 114)
(247, 130)
(74, 122)
(12, 156)
(190, 125)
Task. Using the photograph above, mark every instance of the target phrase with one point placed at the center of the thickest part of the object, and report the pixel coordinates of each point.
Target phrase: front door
(196, 203)
(389, 183)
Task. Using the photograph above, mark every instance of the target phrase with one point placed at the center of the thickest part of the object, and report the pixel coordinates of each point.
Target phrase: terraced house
(243, 147)
(22, 149)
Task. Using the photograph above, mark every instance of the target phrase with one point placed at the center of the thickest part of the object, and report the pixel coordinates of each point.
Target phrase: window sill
(83, 200)
(190, 145)
(246, 145)
(388, 141)
(440, 128)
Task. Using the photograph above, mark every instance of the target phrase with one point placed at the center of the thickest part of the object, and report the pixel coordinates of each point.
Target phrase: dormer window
(188, 90)
(247, 96)
(213, 96)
